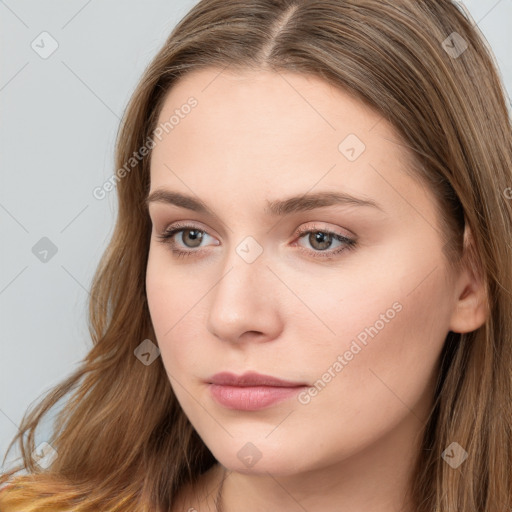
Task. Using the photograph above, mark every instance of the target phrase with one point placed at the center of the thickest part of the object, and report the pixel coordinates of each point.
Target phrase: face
(349, 298)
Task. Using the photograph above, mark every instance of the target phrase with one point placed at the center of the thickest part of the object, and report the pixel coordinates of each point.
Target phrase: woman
(306, 301)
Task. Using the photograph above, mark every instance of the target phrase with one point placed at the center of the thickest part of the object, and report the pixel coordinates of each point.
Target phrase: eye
(321, 241)
(191, 237)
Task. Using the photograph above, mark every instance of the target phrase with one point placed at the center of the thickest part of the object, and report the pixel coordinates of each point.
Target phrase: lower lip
(251, 398)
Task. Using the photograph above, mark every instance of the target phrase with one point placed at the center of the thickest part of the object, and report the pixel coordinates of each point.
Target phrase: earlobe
(472, 306)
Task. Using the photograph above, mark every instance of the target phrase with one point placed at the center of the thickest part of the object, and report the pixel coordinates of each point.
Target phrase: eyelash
(349, 243)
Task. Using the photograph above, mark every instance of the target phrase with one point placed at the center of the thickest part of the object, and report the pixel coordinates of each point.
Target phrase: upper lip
(250, 379)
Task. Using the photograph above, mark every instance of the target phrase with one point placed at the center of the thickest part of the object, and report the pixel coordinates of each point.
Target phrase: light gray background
(59, 119)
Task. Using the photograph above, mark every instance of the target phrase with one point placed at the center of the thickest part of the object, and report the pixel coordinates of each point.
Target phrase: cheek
(397, 294)
(380, 332)
(176, 302)
(385, 352)
(378, 370)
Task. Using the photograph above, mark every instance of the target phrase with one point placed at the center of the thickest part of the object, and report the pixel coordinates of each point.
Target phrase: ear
(472, 307)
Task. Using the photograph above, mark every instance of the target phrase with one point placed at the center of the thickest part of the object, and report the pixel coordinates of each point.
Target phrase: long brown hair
(122, 439)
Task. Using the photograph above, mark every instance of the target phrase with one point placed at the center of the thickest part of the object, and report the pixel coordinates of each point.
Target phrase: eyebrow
(278, 207)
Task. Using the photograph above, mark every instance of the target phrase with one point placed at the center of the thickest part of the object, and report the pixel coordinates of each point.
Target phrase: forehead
(265, 131)
(273, 101)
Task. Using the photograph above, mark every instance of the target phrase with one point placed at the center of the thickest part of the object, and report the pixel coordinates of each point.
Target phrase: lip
(251, 391)
(251, 379)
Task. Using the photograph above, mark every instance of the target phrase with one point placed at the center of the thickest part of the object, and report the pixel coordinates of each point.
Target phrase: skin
(258, 136)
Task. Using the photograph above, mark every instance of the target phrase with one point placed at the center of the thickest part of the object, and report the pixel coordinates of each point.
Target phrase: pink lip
(251, 379)
(250, 391)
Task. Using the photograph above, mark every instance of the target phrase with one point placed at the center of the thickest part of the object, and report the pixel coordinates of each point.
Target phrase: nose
(244, 304)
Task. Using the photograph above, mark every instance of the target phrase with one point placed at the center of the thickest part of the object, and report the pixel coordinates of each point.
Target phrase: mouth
(251, 391)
